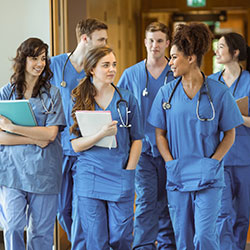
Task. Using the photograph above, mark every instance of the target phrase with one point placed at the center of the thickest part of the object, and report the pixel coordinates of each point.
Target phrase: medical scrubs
(67, 215)
(104, 187)
(152, 220)
(233, 221)
(30, 176)
(194, 180)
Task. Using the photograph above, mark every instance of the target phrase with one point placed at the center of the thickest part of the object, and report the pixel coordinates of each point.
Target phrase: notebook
(243, 105)
(90, 122)
(18, 111)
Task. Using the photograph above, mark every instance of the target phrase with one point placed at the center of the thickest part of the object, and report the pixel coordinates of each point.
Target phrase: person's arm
(246, 121)
(86, 142)
(134, 155)
(162, 144)
(37, 132)
(11, 139)
(225, 144)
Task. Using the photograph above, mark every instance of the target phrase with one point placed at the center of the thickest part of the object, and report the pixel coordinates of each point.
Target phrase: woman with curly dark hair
(30, 157)
(189, 114)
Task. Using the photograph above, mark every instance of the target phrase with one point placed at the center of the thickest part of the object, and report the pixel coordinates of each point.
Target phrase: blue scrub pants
(106, 224)
(194, 216)
(22, 209)
(233, 221)
(67, 206)
(152, 220)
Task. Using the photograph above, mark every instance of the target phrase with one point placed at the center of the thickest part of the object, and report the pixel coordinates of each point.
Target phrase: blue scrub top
(192, 142)
(239, 154)
(29, 167)
(100, 171)
(134, 79)
(72, 78)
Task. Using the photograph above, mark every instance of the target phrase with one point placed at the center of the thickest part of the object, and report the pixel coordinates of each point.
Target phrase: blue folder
(19, 112)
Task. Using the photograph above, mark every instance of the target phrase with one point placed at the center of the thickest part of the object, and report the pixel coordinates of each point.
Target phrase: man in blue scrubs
(68, 70)
(144, 80)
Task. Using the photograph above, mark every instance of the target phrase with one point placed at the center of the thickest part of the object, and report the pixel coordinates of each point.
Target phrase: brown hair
(31, 47)
(88, 26)
(157, 26)
(84, 94)
(193, 39)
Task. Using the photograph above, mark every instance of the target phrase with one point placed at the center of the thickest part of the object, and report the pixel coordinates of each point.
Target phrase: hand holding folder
(90, 122)
(243, 105)
(18, 111)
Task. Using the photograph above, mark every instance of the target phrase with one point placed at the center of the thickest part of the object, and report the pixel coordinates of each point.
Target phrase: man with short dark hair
(68, 70)
(152, 221)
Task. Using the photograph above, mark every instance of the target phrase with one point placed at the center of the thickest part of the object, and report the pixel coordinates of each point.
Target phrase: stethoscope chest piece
(145, 92)
(166, 105)
(63, 84)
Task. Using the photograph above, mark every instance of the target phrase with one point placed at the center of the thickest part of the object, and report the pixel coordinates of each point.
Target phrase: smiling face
(179, 63)
(105, 69)
(156, 44)
(35, 65)
(223, 55)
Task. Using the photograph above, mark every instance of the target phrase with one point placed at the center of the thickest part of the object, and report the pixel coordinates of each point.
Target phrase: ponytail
(83, 98)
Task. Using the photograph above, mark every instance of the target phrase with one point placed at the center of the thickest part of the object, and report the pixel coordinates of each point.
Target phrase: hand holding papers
(90, 122)
(243, 105)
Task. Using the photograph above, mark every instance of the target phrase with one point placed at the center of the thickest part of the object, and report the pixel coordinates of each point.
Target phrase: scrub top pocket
(194, 173)
(128, 183)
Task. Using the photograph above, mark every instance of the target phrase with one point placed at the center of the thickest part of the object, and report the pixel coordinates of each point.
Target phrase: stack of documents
(90, 122)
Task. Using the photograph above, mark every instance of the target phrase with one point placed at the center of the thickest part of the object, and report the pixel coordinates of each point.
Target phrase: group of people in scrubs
(175, 129)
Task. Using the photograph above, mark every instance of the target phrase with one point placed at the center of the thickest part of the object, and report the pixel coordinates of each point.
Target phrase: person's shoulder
(5, 91)
(214, 76)
(59, 58)
(134, 68)
(246, 74)
(216, 87)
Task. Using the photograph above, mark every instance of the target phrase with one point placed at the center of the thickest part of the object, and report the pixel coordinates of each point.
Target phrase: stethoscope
(145, 90)
(63, 82)
(167, 105)
(118, 103)
(50, 110)
(238, 79)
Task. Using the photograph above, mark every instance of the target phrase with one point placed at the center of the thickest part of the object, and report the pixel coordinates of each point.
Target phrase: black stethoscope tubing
(47, 110)
(126, 123)
(145, 90)
(238, 79)
(63, 83)
(167, 105)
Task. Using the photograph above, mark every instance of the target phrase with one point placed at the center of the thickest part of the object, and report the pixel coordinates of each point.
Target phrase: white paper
(90, 122)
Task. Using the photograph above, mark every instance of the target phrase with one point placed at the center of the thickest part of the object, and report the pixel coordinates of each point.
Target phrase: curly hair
(193, 39)
(32, 47)
(84, 94)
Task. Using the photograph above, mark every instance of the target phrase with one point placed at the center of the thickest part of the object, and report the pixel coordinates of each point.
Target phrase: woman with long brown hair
(30, 157)
(104, 180)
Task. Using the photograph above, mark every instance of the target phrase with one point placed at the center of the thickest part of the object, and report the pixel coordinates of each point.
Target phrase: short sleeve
(230, 116)
(56, 118)
(136, 130)
(157, 117)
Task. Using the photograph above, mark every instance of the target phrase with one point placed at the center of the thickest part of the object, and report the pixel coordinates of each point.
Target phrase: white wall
(19, 20)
